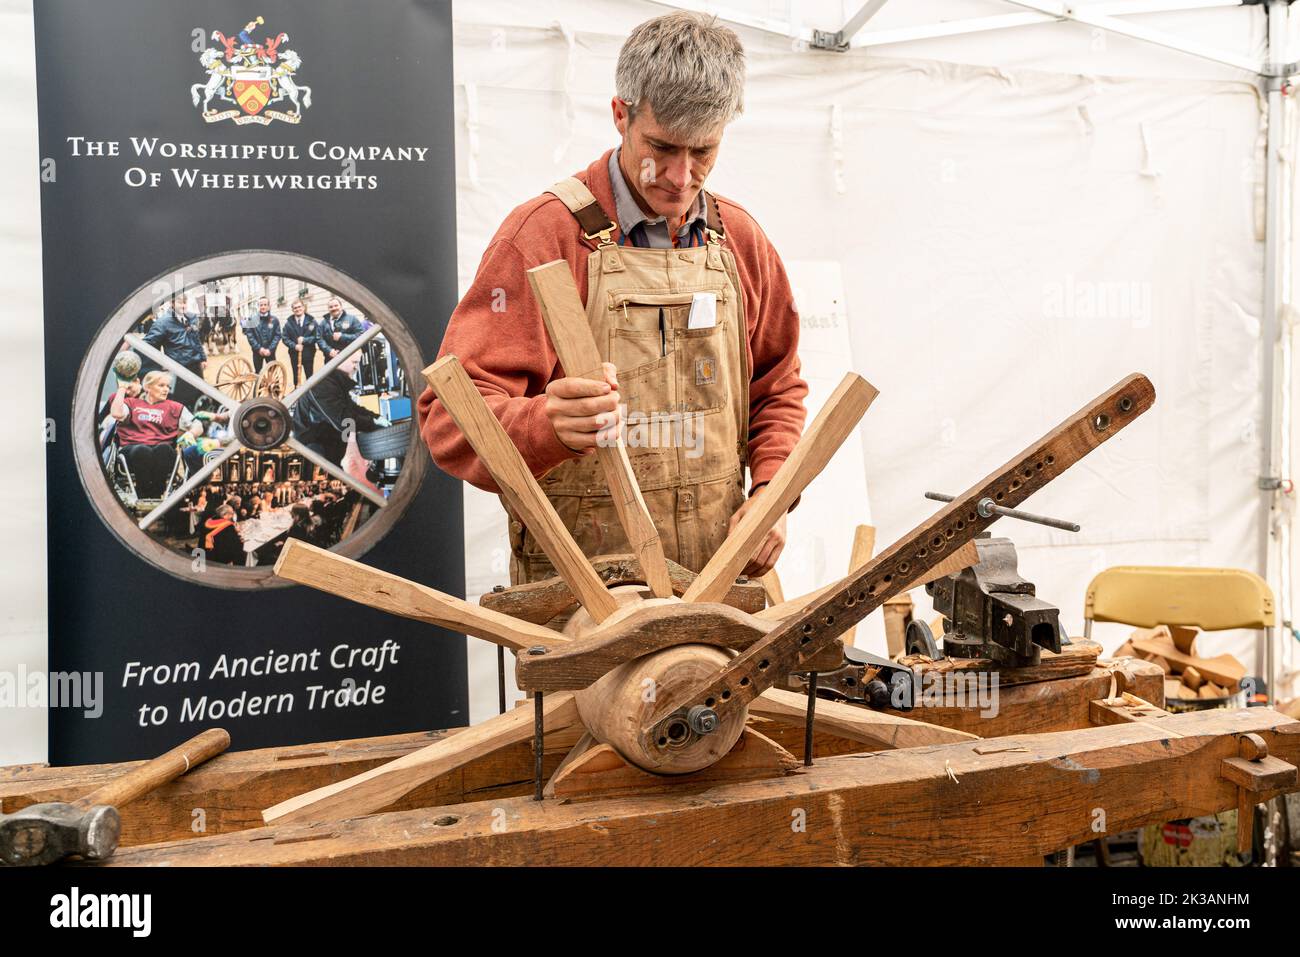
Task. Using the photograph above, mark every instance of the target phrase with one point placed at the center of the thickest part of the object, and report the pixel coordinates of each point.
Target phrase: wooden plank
(566, 321)
(1263, 774)
(228, 793)
(539, 602)
(600, 772)
(1062, 704)
(488, 438)
(829, 429)
(1075, 659)
(324, 570)
(968, 803)
(864, 546)
(379, 787)
(854, 723)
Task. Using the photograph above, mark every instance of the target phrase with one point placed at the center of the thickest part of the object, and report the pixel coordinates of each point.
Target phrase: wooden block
(1222, 669)
(1265, 774)
(1184, 638)
(1192, 677)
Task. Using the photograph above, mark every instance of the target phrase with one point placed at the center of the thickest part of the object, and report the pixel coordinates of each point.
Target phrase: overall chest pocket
(679, 369)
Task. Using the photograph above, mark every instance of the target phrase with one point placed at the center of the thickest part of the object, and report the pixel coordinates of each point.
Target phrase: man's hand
(584, 412)
(769, 549)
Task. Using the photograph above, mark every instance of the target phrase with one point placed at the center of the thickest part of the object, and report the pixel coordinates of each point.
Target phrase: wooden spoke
(833, 424)
(566, 321)
(308, 565)
(852, 722)
(379, 787)
(236, 379)
(271, 380)
(489, 440)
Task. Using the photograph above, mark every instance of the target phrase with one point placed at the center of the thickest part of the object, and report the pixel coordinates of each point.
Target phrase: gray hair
(688, 68)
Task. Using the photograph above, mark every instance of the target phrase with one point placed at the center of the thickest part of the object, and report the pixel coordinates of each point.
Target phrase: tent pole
(1275, 269)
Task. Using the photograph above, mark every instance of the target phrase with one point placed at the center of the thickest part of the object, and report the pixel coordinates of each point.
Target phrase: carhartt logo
(75, 909)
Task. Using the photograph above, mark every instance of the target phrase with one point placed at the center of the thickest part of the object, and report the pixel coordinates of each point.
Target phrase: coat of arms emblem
(253, 75)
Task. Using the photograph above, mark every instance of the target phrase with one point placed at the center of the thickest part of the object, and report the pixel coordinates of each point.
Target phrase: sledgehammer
(90, 826)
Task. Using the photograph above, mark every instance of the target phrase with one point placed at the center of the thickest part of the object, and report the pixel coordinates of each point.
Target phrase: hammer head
(45, 833)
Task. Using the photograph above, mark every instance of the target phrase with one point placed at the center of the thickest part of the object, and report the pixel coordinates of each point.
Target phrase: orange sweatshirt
(498, 334)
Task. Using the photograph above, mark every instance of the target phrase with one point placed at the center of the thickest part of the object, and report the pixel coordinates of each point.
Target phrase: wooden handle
(832, 426)
(570, 331)
(485, 434)
(155, 773)
(321, 569)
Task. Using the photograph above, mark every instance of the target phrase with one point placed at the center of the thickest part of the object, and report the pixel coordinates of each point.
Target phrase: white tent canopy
(1005, 220)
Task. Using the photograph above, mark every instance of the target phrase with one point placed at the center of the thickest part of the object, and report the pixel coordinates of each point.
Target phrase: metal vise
(991, 612)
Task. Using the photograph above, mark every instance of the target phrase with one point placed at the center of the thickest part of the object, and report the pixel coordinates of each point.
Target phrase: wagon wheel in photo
(260, 422)
(710, 664)
(273, 380)
(236, 379)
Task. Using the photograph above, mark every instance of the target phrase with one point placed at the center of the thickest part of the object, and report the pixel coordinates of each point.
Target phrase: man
(338, 329)
(263, 334)
(175, 333)
(689, 305)
(221, 540)
(300, 332)
(327, 416)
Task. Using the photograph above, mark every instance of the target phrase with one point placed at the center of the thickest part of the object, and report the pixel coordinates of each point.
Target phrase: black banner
(235, 201)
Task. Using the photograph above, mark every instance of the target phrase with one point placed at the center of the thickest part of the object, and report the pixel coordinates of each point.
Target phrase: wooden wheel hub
(262, 423)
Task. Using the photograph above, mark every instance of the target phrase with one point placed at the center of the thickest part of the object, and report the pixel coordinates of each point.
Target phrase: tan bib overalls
(686, 395)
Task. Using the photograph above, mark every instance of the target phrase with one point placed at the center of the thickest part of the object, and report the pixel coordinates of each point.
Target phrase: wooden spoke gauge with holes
(656, 728)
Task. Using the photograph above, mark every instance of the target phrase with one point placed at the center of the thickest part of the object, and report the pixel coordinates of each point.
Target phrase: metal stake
(501, 679)
(808, 724)
(538, 726)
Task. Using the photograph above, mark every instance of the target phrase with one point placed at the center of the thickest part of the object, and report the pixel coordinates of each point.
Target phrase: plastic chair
(1212, 599)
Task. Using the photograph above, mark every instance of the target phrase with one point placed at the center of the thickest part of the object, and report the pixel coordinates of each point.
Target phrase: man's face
(336, 309)
(297, 309)
(264, 305)
(665, 170)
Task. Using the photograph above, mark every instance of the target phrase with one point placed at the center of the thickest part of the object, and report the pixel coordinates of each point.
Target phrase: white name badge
(704, 311)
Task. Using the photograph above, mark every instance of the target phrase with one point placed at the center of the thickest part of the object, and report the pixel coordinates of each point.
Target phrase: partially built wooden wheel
(236, 378)
(661, 674)
(273, 380)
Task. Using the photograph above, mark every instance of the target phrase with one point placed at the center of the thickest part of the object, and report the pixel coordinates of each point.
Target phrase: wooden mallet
(91, 826)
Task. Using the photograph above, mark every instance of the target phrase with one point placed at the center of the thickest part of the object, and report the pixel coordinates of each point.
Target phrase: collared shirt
(655, 231)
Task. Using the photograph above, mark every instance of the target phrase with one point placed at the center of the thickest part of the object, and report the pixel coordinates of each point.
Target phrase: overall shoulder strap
(586, 209)
(713, 219)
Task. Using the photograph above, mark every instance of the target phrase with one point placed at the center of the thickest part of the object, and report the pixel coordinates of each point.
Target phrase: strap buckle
(603, 235)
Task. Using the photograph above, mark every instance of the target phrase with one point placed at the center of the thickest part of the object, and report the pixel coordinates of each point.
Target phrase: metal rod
(178, 370)
(988, 507)
(198, 477)
(317, 459)
(539, 726)
(501, 679)
(808, 722)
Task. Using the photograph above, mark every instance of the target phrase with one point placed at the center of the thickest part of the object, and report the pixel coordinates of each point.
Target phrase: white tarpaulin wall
(1011, 242)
